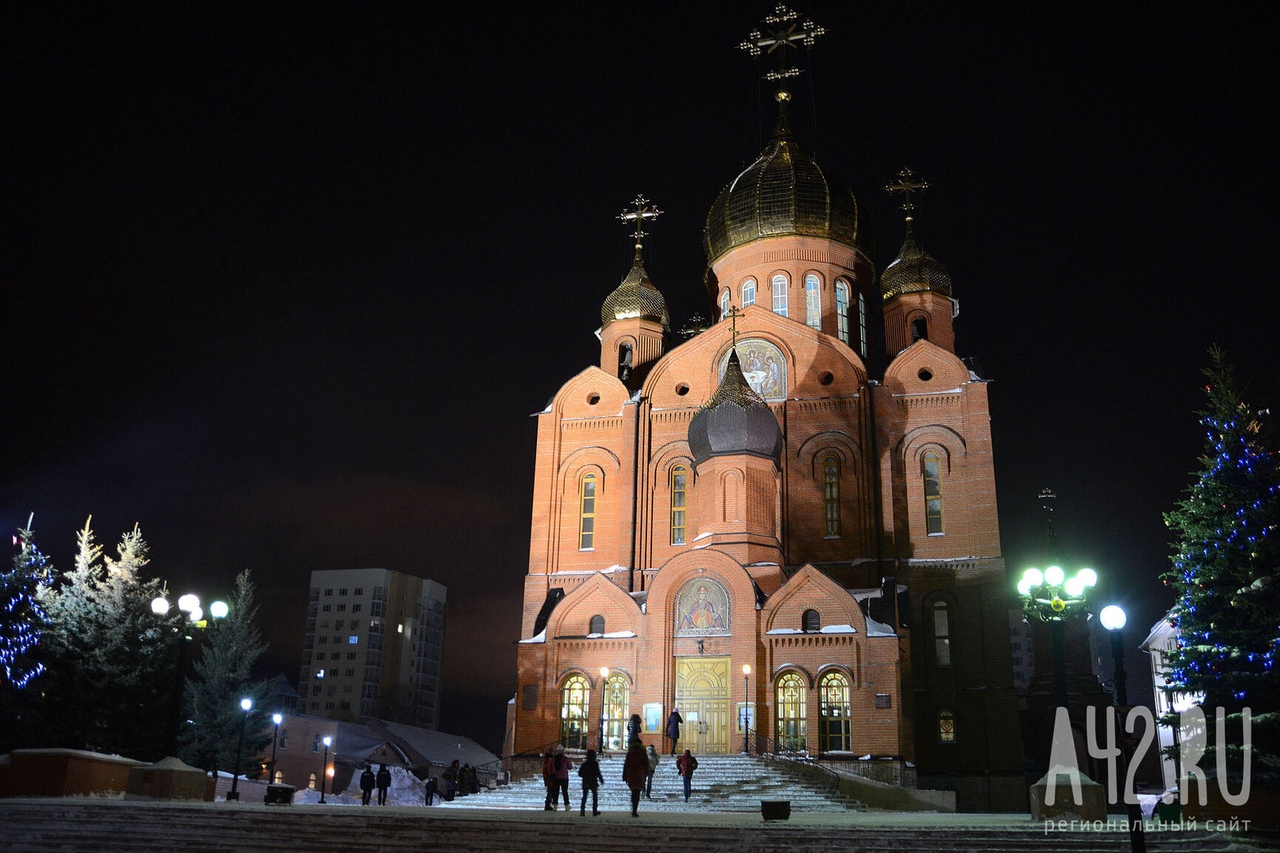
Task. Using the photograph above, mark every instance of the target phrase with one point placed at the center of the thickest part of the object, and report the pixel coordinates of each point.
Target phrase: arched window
(791, 713)
(946, 725)
(932, 493)
(724, 304)
(596, 625)
(575, 703)
(624, 362)
(679, 490)
(813, 301)
(311, 781)
(779, 287)
(941, 635)
(810, 621)
(842, 310)
(279, 777)
(617, 704)
(919, 329)
(749, 292)
(587, 514)
(834, 713)
(831, 495)
(862, 325)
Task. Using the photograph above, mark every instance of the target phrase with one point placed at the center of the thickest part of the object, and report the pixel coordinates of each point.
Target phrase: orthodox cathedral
(785, 526)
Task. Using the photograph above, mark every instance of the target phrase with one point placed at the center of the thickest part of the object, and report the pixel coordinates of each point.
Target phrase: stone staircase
(722, 783)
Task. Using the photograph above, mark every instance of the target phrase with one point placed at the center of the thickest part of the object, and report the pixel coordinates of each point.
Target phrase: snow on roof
(611, 635)
(825, 629)
(879, 629)
(540, 638)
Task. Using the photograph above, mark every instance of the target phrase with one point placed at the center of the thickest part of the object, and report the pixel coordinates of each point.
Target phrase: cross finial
(697, 324)
(641, 211)
(906, 184)
(732, 314)
(782, 31)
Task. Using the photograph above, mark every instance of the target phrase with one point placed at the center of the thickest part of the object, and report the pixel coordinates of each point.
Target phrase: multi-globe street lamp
(1052, 597)
(246, 705)
(324, 768)
(746, 705)
(604, 700)
(189, 605)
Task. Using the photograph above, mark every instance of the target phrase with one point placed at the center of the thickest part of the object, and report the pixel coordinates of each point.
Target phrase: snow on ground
(406, 790)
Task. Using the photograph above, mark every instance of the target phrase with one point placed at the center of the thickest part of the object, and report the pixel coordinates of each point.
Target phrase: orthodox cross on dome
(697, 325)
(907, 184)
(783, 30)
(643, 210)
(732, 314)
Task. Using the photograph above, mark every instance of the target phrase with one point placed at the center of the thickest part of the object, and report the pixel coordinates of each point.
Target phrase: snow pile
(406, 790)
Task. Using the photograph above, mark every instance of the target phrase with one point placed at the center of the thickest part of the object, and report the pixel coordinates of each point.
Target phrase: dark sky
(285, 281)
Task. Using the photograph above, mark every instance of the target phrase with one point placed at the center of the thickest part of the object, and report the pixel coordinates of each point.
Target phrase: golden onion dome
(914, 270)
(635, 297)
(784, 192)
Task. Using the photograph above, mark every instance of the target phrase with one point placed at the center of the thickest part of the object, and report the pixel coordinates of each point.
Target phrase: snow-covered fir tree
(1226, 571)
(223, 675)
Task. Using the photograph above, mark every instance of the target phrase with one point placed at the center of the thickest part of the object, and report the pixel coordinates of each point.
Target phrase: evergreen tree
(223, 676)
(22, 622)
(1225, 572)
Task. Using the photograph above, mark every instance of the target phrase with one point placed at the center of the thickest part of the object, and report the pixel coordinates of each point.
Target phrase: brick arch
(843, 669)
(913, 444)
(902, 376)
(688, 565)
(784, 668)
(571, 400)
(815, 447)
(585, 601)
(782, 603)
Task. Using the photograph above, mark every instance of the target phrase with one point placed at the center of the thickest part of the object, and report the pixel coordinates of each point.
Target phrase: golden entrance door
(702, 695)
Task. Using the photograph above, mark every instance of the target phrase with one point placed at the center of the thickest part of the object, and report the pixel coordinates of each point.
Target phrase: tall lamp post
(1113, 618)
(746, 705)
(189, 605)
(1052, 597)
(604, 700)
(324, 768)
(276, 718)
(247, 705)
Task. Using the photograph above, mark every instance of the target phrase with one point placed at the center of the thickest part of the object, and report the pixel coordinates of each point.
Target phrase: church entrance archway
(702, 695)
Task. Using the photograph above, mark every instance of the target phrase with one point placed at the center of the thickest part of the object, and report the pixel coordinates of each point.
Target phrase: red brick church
(786, 522)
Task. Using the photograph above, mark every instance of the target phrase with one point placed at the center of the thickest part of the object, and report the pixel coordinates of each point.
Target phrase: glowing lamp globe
(1024, 586)
(277, 719)
(1088, 576)
(160, 605)
(746, 669)
(195, 614)
(1112, 617)
(246, 704)
(1054, 575)
(218, 610)
(188, 602)
(1074, 587)
(1033, 576)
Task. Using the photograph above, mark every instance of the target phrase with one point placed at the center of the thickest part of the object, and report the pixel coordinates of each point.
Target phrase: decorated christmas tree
(1224, 574)
(22, 619)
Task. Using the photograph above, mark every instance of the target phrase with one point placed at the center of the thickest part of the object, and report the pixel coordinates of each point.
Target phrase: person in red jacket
(686, 764)
(635, 770)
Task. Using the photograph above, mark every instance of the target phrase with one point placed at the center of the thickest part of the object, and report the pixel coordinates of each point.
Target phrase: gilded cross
(783, 30)
(907, 184)
(696, 325)
(732, 314)
(641, 211)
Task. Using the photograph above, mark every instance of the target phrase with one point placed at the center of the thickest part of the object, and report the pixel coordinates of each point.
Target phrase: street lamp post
(324, 768)
(1113, 619)
(746, 705)
(189, 605)
(247, 705)
(1052, 597)
(275, 738)
(604, 700)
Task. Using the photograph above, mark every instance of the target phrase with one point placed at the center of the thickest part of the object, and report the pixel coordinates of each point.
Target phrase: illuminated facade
(805, 488)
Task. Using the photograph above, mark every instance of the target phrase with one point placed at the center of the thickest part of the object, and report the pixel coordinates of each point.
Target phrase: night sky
(285, 281)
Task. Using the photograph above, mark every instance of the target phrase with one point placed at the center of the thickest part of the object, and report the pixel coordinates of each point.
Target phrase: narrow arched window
(311, 781)
(831, 494)
(617, 704)
(587, 514)
(842, 311)
(930, 469)
(810, 621)
(834, 712)
(724, 305)
(779, 287)
(946, 725)
(862, 325)
(679, 490)
(941, 634)
(575, 703)
(919, 329)
(749, 292)
(813, 301)
(624, 362)
(790, 702)
(596, 626)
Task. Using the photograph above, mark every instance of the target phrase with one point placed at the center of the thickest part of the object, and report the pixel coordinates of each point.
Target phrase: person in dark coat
(634, 771)
(633, 728)
(549, 779)
(561, 765)
(673, 728)
(384, 782)
(591, 781)
(450, 777)
(429, 790)
(366, 785)
(686, 764)
(651, 754)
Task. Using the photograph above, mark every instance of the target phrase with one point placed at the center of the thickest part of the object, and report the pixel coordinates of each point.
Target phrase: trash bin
(775, 809)
(279, 795)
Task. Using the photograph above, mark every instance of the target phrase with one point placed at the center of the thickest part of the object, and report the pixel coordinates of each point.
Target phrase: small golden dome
(914, 270)
(635, 297)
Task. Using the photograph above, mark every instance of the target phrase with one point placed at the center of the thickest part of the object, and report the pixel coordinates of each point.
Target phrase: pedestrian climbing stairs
(722, 783)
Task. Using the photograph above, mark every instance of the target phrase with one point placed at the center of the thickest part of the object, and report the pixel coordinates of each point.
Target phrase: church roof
(784, 192)
(914, 270)
(635, 297)
(734, 421)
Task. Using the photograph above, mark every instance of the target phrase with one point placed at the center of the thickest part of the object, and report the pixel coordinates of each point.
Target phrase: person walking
(673, 728)
(549, 780)
(651, 754)
(634, 772)
(450, 776)
(384, 782)
(562, 767)
(633, 728)
(592, 779)
(429, 790)
(366, 785)
(686, 764)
